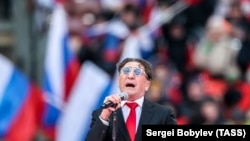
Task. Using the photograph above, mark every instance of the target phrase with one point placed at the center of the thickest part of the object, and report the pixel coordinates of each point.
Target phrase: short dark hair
(147, 65)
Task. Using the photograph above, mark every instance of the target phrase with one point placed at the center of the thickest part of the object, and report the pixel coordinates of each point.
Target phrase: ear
(147, 85)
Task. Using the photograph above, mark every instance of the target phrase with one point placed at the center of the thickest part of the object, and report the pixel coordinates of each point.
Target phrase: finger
(112, 109)
(114, 98)
(117, 98)
(118, 106)
(109, 98)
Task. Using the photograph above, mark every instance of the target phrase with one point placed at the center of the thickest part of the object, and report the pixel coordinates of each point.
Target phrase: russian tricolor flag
(91, 87)
(20, 104)
(60, 70)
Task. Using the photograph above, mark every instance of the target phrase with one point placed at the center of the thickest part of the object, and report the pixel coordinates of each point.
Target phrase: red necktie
(131, 120)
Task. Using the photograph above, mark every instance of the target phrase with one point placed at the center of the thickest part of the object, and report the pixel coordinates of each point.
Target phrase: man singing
(132, 109)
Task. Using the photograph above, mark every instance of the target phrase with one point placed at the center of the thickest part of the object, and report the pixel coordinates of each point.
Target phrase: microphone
(123, 96)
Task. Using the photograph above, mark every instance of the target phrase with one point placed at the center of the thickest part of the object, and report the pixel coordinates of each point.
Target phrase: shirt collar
(138, 101)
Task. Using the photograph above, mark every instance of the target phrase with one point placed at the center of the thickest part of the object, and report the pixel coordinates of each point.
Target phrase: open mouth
(130, 85)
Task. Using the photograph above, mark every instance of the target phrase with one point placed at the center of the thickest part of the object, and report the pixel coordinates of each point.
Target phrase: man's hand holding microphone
(111, 104)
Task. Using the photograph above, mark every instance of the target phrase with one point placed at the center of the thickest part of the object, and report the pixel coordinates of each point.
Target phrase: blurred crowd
(199, 49)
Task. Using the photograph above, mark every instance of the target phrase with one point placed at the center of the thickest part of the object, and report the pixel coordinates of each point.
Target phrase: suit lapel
(146, 115)
(121, 125)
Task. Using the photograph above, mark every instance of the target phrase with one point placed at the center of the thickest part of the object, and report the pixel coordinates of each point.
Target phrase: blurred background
(58, 61)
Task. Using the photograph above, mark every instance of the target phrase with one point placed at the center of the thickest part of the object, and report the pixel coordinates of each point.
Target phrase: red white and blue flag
(91, 87)
(60, 70)
(20, 104)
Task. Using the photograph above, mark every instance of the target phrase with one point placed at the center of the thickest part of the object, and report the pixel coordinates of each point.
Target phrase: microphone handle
(108, 104)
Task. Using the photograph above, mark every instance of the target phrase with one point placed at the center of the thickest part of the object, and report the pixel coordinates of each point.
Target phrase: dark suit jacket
(152, 114)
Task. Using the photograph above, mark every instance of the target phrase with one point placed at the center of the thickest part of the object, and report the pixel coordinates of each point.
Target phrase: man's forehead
(133, 64)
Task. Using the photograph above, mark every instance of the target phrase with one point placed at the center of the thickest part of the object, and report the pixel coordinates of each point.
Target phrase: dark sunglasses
(136, 71)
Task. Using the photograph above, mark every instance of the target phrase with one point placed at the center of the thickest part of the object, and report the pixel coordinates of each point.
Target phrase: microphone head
(124, 95)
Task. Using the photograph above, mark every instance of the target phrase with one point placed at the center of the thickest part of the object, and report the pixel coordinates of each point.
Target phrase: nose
(131, 74)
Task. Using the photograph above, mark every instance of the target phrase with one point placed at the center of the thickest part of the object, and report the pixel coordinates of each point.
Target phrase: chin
(130, 92)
